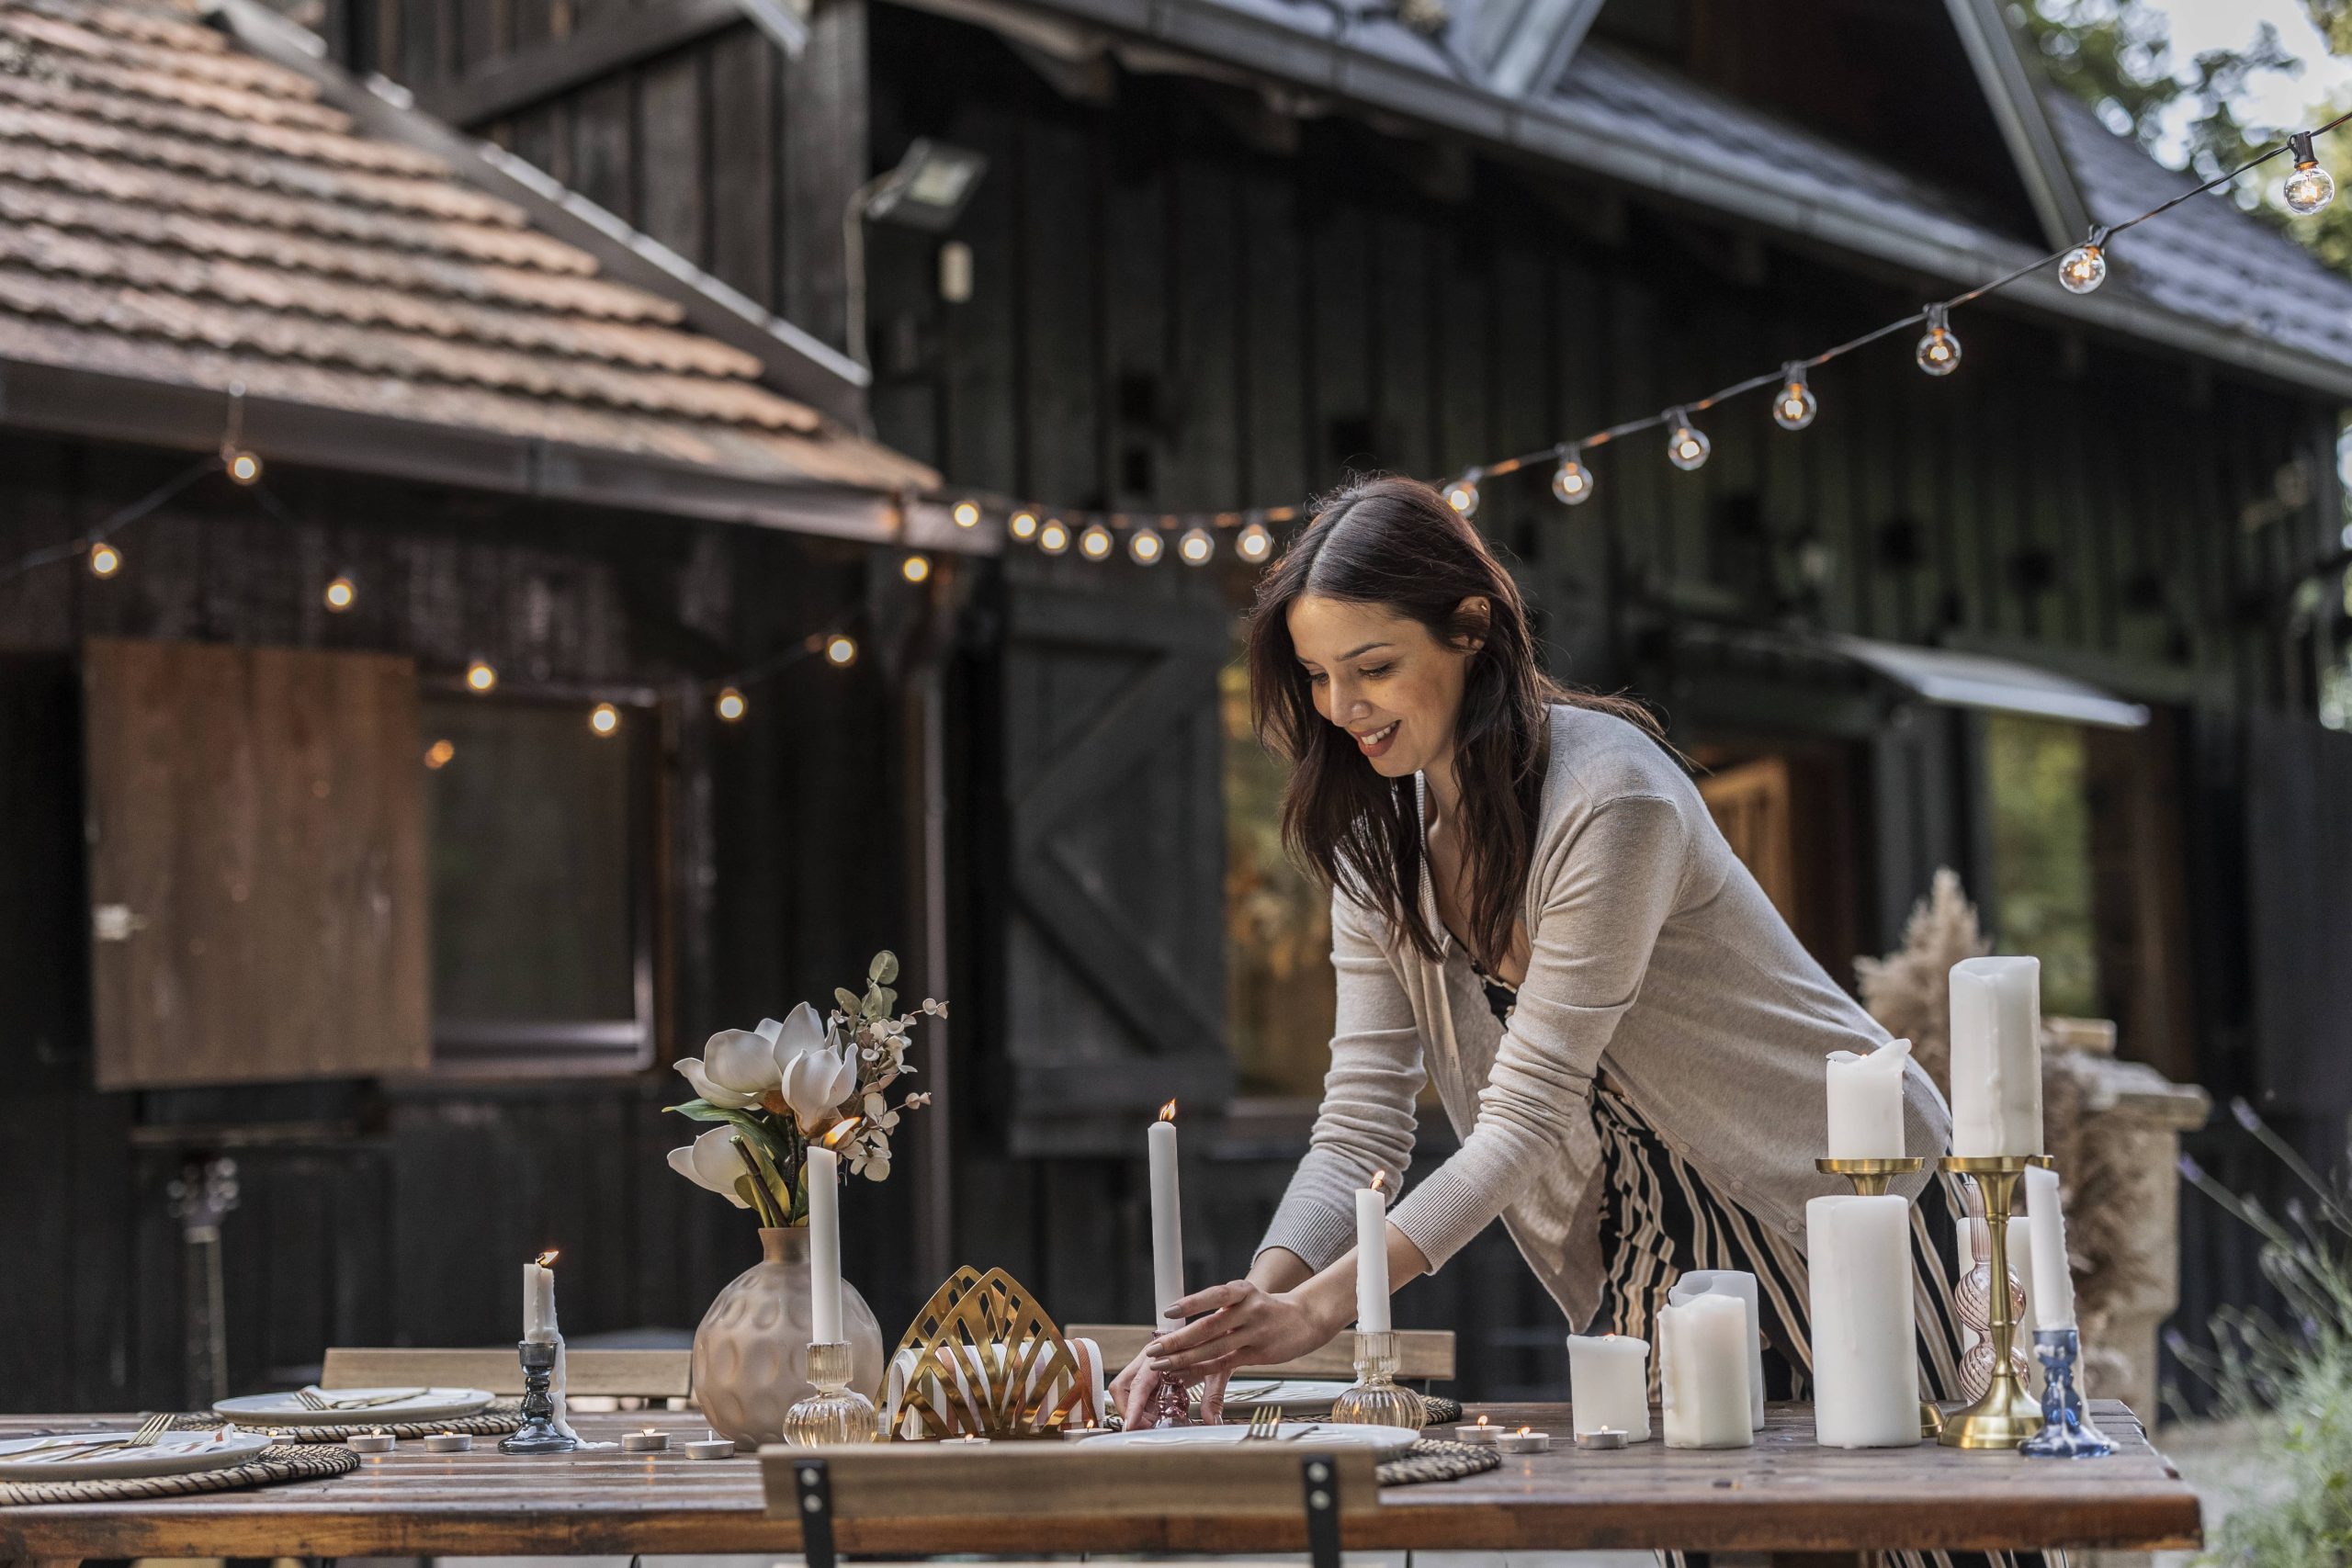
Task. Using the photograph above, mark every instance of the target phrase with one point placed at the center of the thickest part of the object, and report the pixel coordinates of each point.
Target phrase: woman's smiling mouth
(1374, 742)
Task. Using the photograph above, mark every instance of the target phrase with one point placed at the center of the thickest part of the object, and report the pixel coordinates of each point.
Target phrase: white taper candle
(1372, 1256)
(2054, 1284)
(1167, 1220)
(823, 1175)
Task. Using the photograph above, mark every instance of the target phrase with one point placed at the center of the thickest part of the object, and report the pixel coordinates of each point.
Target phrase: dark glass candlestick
(539, 1434)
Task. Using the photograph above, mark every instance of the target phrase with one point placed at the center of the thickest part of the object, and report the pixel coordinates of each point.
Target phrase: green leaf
(847, 998)
(703, 1110)
(885, 967)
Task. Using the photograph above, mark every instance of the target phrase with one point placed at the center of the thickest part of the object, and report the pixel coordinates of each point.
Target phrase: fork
(1265, 1424)
(312, 1399)
(150, 1431)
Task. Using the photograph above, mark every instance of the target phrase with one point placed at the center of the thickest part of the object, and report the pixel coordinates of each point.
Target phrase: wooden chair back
(644, 1375)
(1424, 1354)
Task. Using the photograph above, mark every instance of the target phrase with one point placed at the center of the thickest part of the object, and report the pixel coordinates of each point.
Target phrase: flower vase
(750, 1362)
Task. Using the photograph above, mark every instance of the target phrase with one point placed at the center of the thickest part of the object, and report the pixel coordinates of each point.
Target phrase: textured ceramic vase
(751, 1352)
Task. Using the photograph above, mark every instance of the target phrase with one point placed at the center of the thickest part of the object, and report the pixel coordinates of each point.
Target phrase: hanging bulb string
(115, 522)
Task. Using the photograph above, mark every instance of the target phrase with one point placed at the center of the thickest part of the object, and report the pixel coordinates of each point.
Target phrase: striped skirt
(1660, 1218)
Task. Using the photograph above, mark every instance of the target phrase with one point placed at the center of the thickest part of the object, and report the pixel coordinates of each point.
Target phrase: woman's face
(1382, 678)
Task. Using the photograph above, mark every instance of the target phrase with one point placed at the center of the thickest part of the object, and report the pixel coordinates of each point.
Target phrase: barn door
(1114, 940)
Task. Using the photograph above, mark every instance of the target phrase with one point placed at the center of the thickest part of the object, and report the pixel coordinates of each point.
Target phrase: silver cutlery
(148, 1432)
(312, 1399)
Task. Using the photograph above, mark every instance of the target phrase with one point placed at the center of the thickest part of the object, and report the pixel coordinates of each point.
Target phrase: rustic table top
(1783, 1495)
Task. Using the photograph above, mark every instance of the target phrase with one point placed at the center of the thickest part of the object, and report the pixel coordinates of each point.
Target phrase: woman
(1532, 909)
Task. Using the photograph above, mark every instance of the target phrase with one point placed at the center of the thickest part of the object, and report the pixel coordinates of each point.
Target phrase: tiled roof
(173, 209)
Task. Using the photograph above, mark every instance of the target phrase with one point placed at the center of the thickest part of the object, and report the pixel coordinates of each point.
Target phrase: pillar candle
(1996, 1056)
(1167, 1220)
(1702, 1373)
(1742, 1286)
(1372, 1256)
(1609, 1385)
(1866, 1102)
(2054, 1284)
(1865, 1359)
(823, 1175)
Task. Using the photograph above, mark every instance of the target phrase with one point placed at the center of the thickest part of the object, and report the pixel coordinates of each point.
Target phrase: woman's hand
(1245, 1325)
(1134, 1389)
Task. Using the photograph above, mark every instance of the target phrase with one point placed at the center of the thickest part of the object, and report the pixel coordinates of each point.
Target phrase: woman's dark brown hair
(1397, 544)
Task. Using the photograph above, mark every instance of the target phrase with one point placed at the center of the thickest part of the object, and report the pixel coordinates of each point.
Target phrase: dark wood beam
(517, 81)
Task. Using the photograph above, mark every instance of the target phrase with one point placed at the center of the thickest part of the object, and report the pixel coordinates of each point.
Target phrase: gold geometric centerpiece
(982, 1360)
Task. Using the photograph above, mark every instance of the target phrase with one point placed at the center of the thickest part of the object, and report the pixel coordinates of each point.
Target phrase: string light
(1462, 494)
(604, 718)
(1794, 406)
(1095, 543)
(1572, 481)
(1054, 538)
(915, 567)
(1022, 526)
(730, 705)
(1939, 351)
(1145, 546)
(1196, 546)
(242, 466)
(437, 755)
(1255, 543)
(481, 676)
(340, 594)
(967, 515)
(105, 559)
(841, 650)
(1688, 446)
(2083, 268)
(2310, 187)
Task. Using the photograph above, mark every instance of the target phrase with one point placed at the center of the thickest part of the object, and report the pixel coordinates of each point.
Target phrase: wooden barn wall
(375, 1214)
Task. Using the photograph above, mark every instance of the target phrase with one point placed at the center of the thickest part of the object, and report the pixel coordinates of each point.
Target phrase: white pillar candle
(1609, 1385)
(824, 1245)
(1865, 1358)
(1866, 1102)
(1741, 1285)
(1372, 1256)
(1997, 1057)
(2054, 1284)
(1702, 1373)
(1167, 1220)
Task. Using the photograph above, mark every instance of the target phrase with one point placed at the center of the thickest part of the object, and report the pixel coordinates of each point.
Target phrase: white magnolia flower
(816, 1081)
(711, 1161)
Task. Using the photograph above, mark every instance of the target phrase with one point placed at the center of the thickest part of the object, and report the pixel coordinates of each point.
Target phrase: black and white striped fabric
(1659, 1219)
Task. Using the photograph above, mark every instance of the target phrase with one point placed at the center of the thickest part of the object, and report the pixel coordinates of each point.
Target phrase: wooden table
(1784, 1500)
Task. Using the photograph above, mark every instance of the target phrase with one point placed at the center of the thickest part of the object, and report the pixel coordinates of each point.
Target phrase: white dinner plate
(175, 1453)
(1297, 1434)
(354, 1406)
(1301, 1395)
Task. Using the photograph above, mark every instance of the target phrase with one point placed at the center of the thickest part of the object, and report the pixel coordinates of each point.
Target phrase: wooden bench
(639, 1374)
(1424, 1354)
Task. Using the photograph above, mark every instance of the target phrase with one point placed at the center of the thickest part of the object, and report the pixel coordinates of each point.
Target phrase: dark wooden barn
(1223, 252)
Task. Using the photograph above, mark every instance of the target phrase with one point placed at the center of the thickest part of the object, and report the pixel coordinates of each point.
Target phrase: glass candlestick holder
(539, 1434)
(2067, 1429)
(835, 1412)
(1171, 1403)
(1374, 1399)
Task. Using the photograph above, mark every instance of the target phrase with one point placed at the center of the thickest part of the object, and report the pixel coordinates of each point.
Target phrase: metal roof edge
(2008, 85)
(798, 363)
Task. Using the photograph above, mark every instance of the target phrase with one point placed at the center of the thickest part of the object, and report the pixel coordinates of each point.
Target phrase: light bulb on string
(2083, 268)
(2310, 187)
(1095, 544)
(481, 676)
(604, 718)
(731, 707)
(1254, 544)
(1686, 446)
(105, 559)
(1054, 538)
(1145, 546)
(915, 567)
(242, 466)
(1572, 481)
(1793, 405)
(1196, 546)
(841, 650)
(341, 594)
(967, 515)
(1022, 526)
(1463, 494)
(1939, 351)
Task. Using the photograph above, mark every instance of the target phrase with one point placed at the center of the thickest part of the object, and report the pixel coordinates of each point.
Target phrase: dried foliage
(1909, 990)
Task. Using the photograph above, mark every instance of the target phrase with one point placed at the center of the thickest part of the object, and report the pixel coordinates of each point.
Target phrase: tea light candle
(449, 1443)
(970, 1440)
(649, 1441)
(1601, 1437)
(1523, 1441)
(376, 1442)
(1608, 1384)
(1482, 1431)
(712, 1448)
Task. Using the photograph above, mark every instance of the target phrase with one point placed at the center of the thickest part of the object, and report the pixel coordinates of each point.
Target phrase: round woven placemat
(267, 1468)
(1443, 1412)
(1435, 1459)
(491, 1421)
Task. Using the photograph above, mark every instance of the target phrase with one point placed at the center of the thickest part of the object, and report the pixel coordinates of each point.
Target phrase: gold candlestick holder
(2006, 1415)
(1375, 1399)
(1869, 1176)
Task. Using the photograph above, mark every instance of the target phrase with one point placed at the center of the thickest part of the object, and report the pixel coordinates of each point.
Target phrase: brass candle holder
(1869, 1176)
(2006, 1415)
(1375, 1399)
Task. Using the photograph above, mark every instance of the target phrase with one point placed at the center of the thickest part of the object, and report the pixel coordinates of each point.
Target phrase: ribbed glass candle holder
(835, 1412)
(1374, 1399)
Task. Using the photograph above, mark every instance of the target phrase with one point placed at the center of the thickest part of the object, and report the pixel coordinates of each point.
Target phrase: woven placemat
(1435, 1459)
(1443, 1412)
(491, 1421)
(267, 1468)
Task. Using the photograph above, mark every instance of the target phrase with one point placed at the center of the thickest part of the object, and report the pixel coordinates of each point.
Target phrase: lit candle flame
(833, 1140)
(547, 1259)
(1379, 1179)
(652, 1432)
(1523, 1431)
(1168, 1111)
(1482, 1420)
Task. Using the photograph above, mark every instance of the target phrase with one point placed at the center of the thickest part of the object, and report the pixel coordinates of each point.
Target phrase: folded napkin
(980, 1373)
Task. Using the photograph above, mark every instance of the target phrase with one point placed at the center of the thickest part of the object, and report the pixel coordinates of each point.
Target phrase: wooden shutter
(257, 864)
(1115, 942)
